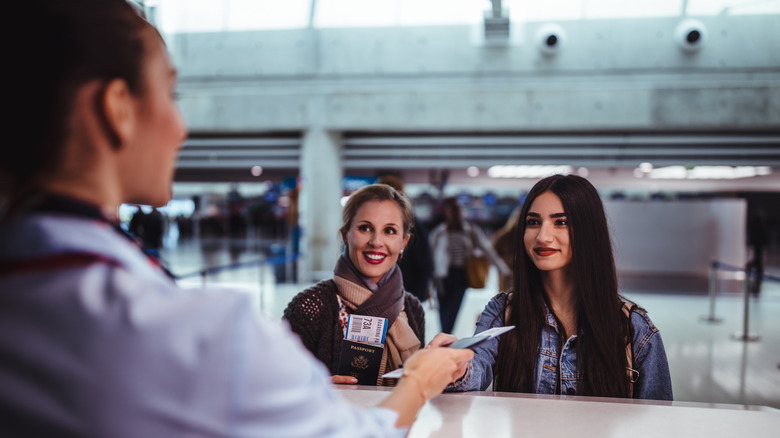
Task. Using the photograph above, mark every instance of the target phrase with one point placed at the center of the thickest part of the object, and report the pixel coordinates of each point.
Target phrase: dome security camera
(690, 35)
(550, 39)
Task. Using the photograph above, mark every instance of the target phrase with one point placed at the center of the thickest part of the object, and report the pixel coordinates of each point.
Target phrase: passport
(361, 361)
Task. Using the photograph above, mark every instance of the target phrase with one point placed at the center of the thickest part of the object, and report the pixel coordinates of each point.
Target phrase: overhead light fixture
(533, 171)
(645, 167)
(704, 172)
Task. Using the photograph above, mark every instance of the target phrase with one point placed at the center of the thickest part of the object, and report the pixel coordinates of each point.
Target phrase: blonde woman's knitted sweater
(314, 316)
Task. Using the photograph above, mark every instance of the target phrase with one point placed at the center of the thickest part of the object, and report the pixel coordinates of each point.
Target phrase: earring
(402, 252)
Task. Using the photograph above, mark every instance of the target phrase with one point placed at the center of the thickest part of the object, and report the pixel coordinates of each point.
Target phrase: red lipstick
(544, 251)
(377, 258)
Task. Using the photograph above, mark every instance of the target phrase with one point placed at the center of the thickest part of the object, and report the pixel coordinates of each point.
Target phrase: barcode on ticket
(356, 325)
(369, 329)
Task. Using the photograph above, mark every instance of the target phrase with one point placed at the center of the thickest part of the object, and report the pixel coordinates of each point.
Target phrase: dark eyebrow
(364, 221)
(554, 215)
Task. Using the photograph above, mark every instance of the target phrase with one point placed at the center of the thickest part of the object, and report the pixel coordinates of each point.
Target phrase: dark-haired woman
(574, 333)
(95, 339)
(376, 226)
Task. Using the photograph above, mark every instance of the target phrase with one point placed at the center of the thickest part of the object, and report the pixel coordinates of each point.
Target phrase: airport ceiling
(612, 157)
(173, 16)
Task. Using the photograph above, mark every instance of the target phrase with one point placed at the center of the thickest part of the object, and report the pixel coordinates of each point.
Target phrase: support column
(319, 204)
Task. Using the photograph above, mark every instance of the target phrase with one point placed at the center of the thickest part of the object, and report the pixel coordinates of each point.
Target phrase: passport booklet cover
(361, 361)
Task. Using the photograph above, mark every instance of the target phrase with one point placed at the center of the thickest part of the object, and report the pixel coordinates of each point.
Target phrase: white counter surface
(494, 415)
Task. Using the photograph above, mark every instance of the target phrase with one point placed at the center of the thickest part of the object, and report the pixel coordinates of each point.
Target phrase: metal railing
(260, 263)
(717, 266)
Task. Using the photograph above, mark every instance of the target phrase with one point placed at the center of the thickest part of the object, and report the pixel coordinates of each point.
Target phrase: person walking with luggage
(453, 242)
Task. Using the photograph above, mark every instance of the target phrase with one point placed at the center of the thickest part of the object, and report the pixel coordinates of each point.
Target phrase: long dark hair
(603, 329)
(73, 42)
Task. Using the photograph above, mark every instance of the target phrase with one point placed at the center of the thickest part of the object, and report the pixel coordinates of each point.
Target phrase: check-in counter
(499, 414)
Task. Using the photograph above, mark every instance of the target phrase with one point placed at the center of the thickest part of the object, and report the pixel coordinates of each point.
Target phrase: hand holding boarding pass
(445, 340)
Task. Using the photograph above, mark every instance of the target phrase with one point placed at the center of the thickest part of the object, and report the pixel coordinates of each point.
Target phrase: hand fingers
(435, 368)
(451, 365)
(461, 356)
(460, 371)
(462, 360)
(441, 340)
(344, 380)
(458, 366)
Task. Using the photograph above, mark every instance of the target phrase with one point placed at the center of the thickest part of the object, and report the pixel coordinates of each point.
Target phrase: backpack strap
(631, 373)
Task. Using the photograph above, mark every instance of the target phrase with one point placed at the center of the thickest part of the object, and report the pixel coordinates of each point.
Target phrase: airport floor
(710, 361)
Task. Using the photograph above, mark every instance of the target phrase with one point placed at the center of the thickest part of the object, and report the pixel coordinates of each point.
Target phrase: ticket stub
(367, 329)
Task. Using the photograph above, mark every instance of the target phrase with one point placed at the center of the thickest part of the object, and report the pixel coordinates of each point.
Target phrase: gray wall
(626, 74)
(680, 237)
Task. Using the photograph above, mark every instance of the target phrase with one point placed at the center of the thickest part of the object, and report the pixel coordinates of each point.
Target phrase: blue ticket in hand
(481, 337)
(469, 342)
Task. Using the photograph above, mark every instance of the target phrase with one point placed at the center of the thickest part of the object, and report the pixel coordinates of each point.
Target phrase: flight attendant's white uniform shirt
(97, 341)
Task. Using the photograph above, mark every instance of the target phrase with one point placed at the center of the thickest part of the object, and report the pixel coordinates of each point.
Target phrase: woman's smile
(545, 252)
(375, 258)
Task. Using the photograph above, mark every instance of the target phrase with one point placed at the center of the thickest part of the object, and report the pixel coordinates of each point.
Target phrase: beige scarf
(401, 342)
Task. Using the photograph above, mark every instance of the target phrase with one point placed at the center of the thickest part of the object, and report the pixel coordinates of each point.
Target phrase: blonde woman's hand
(344, 380)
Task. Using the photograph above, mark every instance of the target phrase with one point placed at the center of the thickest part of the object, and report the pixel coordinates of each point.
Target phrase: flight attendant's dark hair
(602, 328)
(66, 45)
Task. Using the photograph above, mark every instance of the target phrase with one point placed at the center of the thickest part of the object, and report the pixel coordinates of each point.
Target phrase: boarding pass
(368, 329)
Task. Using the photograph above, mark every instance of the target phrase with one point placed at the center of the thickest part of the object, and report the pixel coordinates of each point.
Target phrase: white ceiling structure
(219, 91)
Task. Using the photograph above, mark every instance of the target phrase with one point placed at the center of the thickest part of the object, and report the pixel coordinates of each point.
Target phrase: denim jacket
(653, 382)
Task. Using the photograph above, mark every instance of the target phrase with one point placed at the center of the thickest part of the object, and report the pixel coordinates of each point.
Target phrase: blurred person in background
(153, 226)
(236, 213)
(136, 222)
(453, 241)
(757, 240)
(95, 339)
(376, 227)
